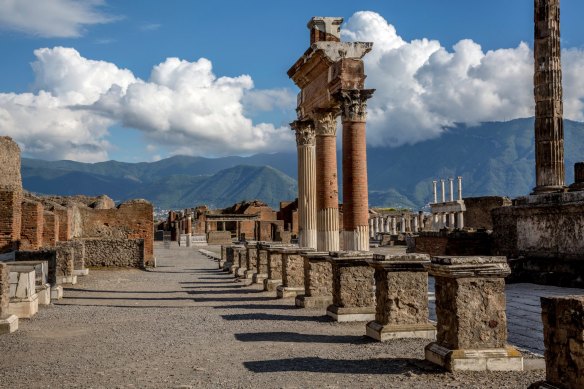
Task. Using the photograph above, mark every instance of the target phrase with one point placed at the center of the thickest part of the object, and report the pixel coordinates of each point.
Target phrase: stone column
(305, 142)
(451, 218)
(451, 182)
(327, 186)
(353, 287)
(402, 225)
(371, 229)
(470, 312)
(434, 184)
(459, 188)
(442, 182)
(355, 195)
(421, 220)
(460, 221)
(547, 88)
(401, 292)
(251, 248)
(377, 225)
(415, 224)
(386, 224)
(563, 337)
(393, 225)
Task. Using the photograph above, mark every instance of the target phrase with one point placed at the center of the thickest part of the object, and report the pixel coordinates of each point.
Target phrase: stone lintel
(470, 266)
(449, 206)
(497, 359)
(296, 250)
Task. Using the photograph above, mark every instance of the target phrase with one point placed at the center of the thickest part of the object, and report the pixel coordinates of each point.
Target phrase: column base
(258, 278)
(383, 333)
(497, 359)
(304, 301)
(56, 292)
(44, 294)
(24, 308)
(356, 240)
(548, 189)
(271, 285)
(81, 272)
(239, 273)
(69, 280)
(284, 292)
(350, 314)
(9, 324)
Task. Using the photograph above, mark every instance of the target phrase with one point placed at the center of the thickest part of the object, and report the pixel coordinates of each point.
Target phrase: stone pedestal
(292, 272)
(8, 322)
(563, 336)
(44, 294)
(56, 292)
(470, 309)
(23, 298)
(274, 264)
(353, 286)
(401, 293)
(318, 281)
(261, 272)
(251, 249)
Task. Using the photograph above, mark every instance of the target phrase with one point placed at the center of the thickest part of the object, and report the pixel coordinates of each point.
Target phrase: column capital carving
(305, 134)
(353, 103)
(325, 121)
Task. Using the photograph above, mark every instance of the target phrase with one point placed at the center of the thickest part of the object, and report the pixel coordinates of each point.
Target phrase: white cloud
(182, 106)
(423, 87)
(51, 18)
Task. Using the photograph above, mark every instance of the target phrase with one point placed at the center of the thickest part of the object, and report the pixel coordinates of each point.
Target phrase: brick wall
(50, 229)
(10, 219)
(31, 230)
(131, 220)
(4, 290)
(114, 252)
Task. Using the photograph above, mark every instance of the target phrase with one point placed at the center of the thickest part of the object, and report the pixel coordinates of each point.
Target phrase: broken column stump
(318, 281)
(292, 272)
(563, 337)
(470, 310)
(8, 321)
(401, 293)
(353, 286)
(251, 249)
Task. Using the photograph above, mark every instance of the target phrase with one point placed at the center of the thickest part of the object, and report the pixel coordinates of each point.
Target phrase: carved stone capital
(353, 103)
(305, 134)
(325, 122)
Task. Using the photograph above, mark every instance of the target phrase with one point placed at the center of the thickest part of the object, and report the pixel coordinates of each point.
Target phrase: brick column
(305, 141)
(327, 188)
(355, 195)
(547, 88)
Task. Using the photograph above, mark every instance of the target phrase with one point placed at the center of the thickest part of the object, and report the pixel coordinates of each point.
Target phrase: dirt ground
(187, 324)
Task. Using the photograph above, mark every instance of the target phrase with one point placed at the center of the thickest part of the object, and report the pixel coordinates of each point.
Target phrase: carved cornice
(305, 134)
(353, 103)
(325, 122)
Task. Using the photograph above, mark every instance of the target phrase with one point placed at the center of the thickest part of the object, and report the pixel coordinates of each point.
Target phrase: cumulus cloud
(182, 105)
(51, 18)
(423, 87)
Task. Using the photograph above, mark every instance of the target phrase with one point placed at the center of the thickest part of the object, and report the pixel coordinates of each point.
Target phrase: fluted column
(327, 186)
(547, 80)
(305, 142)
(355, 195)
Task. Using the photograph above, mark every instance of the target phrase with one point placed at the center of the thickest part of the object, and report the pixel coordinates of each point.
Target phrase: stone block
(44, 294)
(401, 291)
(353, 286)
(56, 292)
(24, 308)
(292, 272)
(318, 281)
(470, 311)
(8, 324)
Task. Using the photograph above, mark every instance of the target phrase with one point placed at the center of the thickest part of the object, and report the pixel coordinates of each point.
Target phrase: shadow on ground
(296, 337)
(340, 366)
(269, 316)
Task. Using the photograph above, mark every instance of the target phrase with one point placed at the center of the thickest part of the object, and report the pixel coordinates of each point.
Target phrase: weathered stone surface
(318, 275)
(353, 280)
(4, 290)
(46, 255)
(114, 253)
(274, 264)
(251, 258)
(563, 320)
(293, 269)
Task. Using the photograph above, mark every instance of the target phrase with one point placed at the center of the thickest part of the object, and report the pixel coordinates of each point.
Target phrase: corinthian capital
(353, 103)
(305, 134)
(325, 122)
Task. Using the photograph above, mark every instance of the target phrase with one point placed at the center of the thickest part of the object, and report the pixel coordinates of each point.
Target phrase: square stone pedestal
(318, 281)
(292, 272)
(56, 292)
(401, 292)
(274, 265)
(353, 286)
(44, 294)
(251, 249)
(24, 308)
(470, 309)
(8, 324)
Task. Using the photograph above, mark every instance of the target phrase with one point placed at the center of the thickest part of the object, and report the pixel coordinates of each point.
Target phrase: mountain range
(494, 158)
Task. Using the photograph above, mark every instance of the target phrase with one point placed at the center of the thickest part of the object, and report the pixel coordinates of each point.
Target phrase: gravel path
(186, 324)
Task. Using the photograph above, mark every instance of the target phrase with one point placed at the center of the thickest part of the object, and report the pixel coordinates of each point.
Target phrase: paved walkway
(187, 324)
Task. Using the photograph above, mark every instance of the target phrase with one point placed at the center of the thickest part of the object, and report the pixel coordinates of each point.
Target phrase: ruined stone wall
(31, 232)
(50, 229)
(439, 243)
(131, 220)
(265, 229)
(10, 219)
(114, 253)
(49, 255)
(478, 210)
(4, 290)
(219, 237)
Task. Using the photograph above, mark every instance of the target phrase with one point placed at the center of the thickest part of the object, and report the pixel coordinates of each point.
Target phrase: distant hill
(495, 158)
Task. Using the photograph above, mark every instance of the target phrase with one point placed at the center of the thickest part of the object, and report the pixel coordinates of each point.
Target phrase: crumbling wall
(49, 255)
(50, 229)
(114, 253)
(478, 210)
(219, 237)
(10, 195)
(133, 219)
(31, 232)
(462, 243)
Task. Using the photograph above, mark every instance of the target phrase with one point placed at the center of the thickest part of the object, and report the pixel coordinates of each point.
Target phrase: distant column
(451, 181)
(549, 125)
(305, 142)
(434, 184)
(460, 221)
(327, 186)
(355, 195)
(393, 225)
(459, 188)
(443, 191)
(371, 228)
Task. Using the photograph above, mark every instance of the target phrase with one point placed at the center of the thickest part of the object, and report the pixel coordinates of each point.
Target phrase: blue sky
(260, 39)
